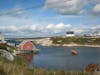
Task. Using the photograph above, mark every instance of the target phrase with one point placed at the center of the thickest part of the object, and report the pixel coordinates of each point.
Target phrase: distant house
(70, 34)
(13, 43)
(26, 45)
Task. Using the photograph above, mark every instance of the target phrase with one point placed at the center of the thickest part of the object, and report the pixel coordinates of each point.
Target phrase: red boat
(74, 52)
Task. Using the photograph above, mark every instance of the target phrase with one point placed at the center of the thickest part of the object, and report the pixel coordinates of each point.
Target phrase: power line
(12, 12)
(29, 8)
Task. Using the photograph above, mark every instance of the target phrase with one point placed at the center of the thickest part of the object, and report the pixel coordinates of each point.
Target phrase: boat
(21, 52)
(74, 52)
(36, 51)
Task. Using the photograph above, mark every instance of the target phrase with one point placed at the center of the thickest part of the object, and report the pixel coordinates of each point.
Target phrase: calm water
(61, 57)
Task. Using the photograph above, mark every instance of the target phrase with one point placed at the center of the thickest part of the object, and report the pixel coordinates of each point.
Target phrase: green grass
(19, 67)
(76, 40)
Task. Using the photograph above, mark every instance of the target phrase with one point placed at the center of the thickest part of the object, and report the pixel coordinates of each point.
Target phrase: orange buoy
(74, 52)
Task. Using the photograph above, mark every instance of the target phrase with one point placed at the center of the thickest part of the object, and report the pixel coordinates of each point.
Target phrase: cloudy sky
(39, 18)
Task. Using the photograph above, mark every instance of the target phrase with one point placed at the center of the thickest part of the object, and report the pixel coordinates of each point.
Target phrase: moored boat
(36, 51)
(74, 52)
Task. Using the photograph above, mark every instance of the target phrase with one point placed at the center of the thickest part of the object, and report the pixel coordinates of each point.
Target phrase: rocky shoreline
(49, 42)
(70, 45)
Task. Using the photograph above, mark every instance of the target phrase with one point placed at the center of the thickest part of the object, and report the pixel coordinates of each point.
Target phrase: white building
(70, 34)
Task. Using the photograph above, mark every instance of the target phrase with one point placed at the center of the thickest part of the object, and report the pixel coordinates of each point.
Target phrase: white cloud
(78, 31)
(62, 26)
(74, 7)
(42, 30)
(87, 30)
(11, 20)
(17, 10)
(57, 28)
(50, 26)
(66, 6)
(95, 27)
(96, 9)
(35, 29)
(8, 29)
(97, 1)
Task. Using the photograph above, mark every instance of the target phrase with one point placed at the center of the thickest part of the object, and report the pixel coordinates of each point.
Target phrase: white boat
(18, 52)
(36, 51)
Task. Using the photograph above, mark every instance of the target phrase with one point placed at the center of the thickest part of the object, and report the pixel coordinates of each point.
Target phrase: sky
(45, 18)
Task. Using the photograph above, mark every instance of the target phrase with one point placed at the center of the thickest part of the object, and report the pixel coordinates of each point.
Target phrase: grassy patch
(18, 67)
(76, 40)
